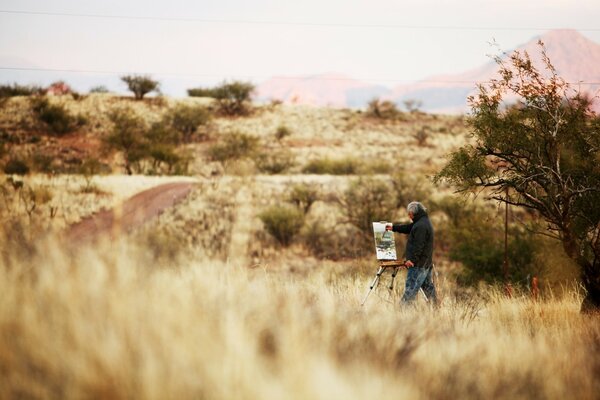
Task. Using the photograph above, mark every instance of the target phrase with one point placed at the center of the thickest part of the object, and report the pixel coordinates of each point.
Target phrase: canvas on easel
(385, 246)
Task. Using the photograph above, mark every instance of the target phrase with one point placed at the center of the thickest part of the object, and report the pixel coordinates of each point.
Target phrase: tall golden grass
(105, 322)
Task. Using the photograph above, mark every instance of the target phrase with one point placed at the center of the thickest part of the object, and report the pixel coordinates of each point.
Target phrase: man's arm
(402, 228)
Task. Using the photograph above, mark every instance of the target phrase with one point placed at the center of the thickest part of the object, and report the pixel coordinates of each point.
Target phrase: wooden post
(505, 264)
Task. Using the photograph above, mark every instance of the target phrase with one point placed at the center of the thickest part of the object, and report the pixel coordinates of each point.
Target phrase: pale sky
(379, 41)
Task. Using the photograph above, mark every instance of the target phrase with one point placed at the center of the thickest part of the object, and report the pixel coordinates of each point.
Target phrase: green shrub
(422, 135)
(367, 200)
(283, 222)
(19, 90)
(382, 109)
(57, 119)
(16, 166)
(186, 119)
(282, 132)
(378, 166)
(410, 187)
(232, 98)
(99, 89)
(140, 85)
(344, 166)
(43, 162)
(275, 162)
(477, 241)
(127, 136)
(303, 195)
(234, 146)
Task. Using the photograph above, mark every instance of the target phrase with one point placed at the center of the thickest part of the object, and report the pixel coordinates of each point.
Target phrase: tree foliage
(538, 140)
(140, 85)
(232, 98)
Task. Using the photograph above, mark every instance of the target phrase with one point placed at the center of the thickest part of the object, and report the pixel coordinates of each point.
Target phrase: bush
(186, 119)
(409, 188)
(19, 90)
(283, 222)
(57, 119)
(234, 146)
(275, 162)
(282, 132)
(127, 136)
(140, 85)
(368, 200)
(422, 135)
(477, 241)
(303, 195)
(99, 89)
(344, 166)
(232, 98)
(16, 166)
(382, 109)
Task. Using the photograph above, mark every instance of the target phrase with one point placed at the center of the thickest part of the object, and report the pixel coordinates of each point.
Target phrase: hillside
(313, 133)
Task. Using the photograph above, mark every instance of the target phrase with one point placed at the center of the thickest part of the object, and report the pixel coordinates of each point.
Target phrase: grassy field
(108, 323)
(203, 303)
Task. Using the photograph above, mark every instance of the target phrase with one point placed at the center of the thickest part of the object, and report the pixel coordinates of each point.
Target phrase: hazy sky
(381, 41)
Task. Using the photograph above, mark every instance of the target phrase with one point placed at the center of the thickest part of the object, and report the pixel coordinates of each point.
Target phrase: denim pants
(416, 279)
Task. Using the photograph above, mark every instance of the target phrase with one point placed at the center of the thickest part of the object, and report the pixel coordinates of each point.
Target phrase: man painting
(419, 253)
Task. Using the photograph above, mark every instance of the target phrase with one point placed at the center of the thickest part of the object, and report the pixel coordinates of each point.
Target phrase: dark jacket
(419, 246)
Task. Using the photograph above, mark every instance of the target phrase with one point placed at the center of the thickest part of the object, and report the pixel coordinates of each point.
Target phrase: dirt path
(131, 214)
(242, 227)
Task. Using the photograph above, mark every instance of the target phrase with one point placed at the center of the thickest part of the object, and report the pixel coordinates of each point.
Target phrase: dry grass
(106, 324)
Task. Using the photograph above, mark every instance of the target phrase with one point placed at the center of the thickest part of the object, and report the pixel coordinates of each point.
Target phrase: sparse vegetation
(186, 119)
(234, 146)
(55, 117)
(382, 109)
(140, 85)
(283, 222)
(232, 98)
(19, 90)
(344, 166)
(275, 161)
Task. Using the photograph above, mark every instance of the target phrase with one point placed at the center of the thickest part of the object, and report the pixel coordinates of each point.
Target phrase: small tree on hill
(127, 136)
(541, 154)
(232, 98)
(140, 85)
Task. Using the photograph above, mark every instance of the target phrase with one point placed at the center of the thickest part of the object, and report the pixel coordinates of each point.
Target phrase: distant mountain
(575, 58)
(334, 90)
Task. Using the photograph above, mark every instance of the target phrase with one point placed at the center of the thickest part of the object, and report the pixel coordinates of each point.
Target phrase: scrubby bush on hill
(344, 166)
(303, 195)
(367, 200)
(127, 136)
(234, 146)
(232, 98)
(16, 166)
(283, 222)
(275, 161)
(140, 85)
(382, 109)
(55, 117)
(185, 119)
(19, 90)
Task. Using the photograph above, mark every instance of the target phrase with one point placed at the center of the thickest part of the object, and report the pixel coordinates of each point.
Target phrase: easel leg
(373, 284)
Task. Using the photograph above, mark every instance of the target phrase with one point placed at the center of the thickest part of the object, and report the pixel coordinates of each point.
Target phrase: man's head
(415, 208)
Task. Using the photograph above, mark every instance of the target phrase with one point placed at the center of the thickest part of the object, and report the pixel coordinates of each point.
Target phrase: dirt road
(131, 214)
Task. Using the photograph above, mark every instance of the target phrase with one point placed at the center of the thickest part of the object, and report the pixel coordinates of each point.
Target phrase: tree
(140, 85)
(542, 153)
(127, 136)
(232, 98)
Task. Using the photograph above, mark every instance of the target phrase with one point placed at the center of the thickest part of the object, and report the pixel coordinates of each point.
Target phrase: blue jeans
(416, 279)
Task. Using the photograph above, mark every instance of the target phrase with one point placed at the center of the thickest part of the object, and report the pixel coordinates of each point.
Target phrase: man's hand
(409, 264)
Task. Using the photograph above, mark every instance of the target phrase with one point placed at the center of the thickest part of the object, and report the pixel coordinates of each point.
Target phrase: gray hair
(414, 207)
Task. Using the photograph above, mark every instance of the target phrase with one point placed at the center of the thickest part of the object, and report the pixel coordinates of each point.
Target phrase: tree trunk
(591, 282)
